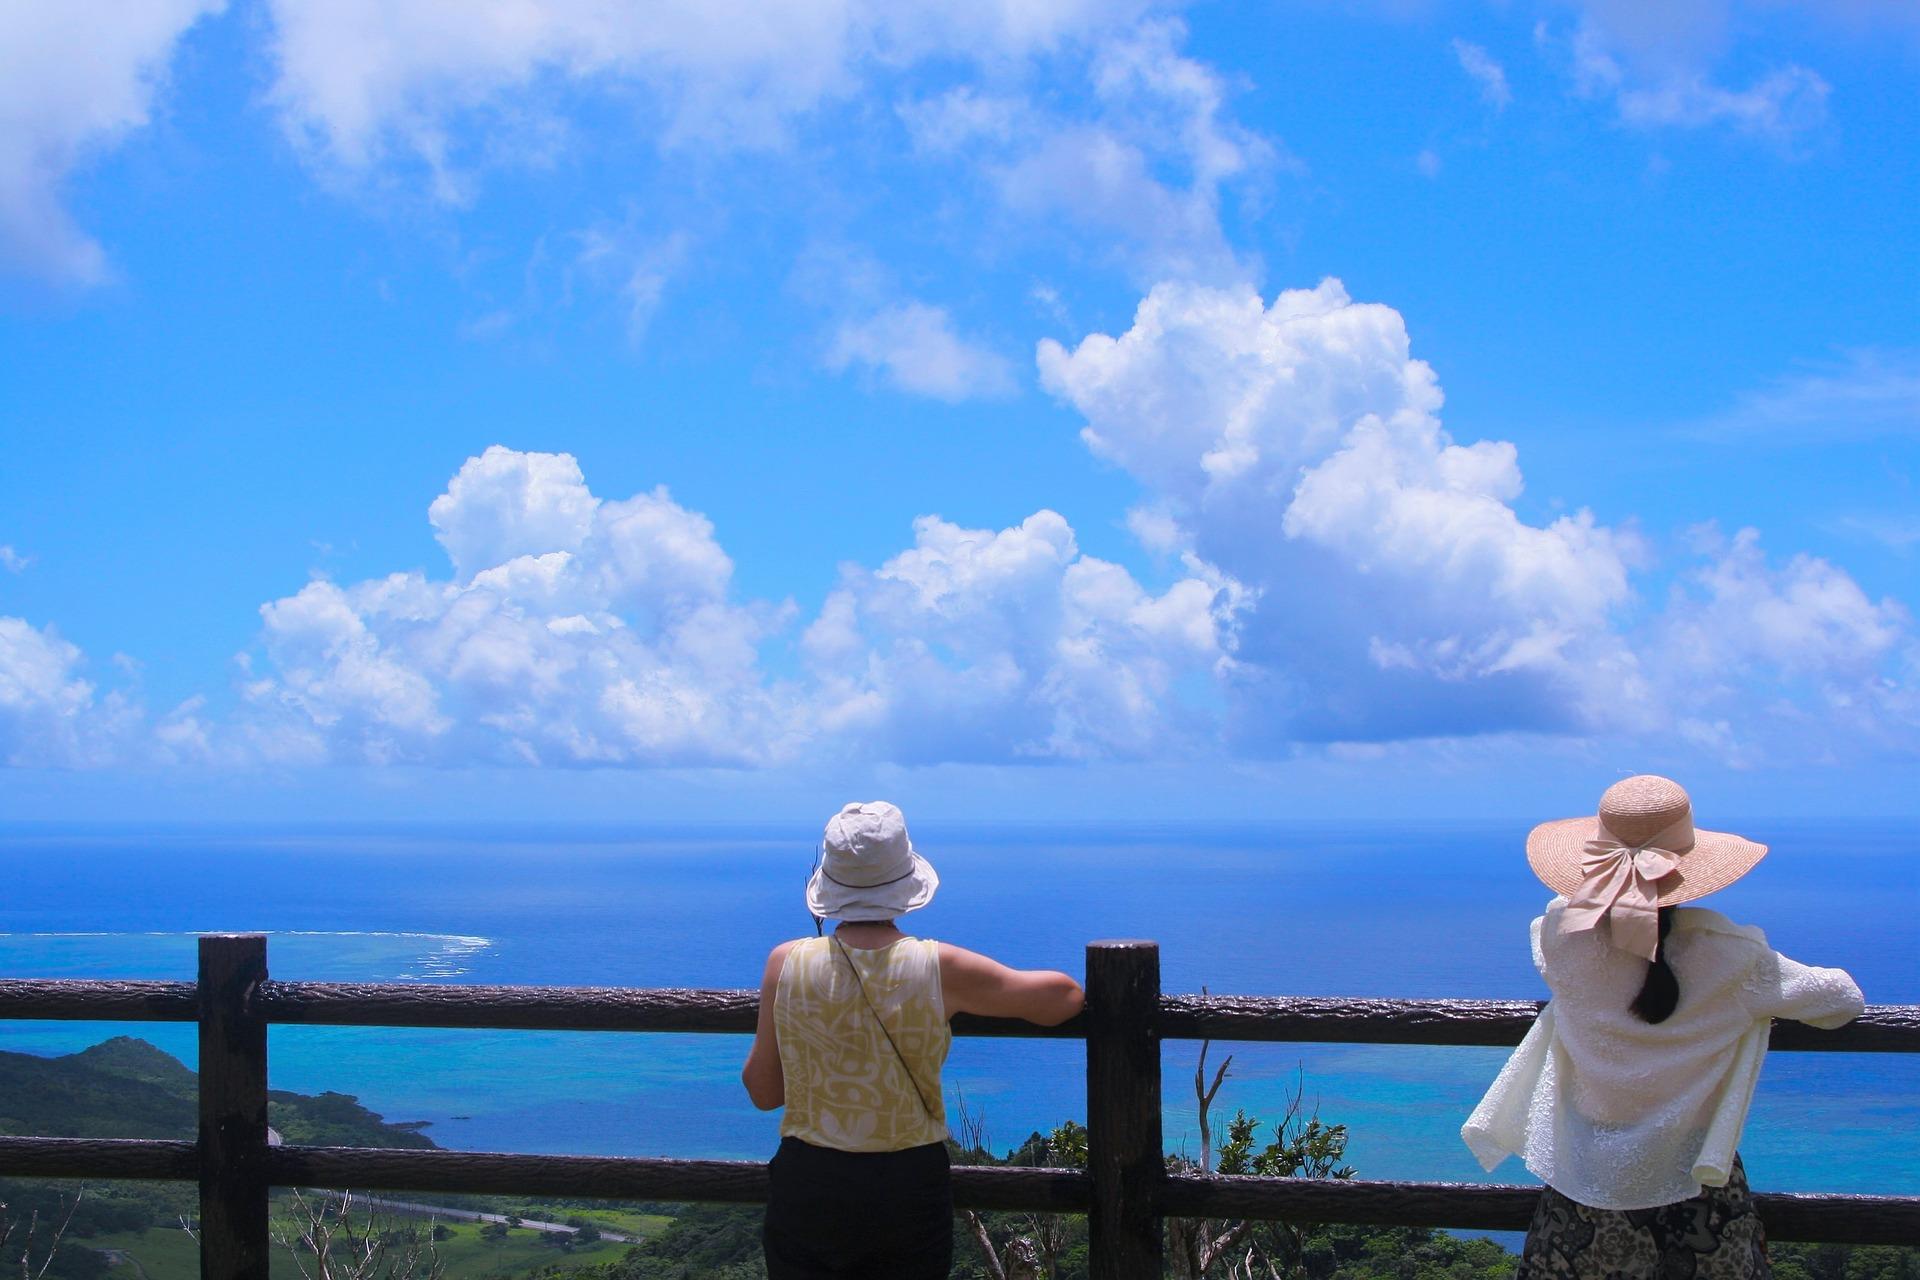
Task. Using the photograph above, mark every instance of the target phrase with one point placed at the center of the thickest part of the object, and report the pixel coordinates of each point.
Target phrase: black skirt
(858, 1215)
(1714, 1236)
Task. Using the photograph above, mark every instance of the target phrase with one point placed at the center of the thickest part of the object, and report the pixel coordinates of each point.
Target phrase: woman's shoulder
(1706, 922)
(777, 957)
(957, 964)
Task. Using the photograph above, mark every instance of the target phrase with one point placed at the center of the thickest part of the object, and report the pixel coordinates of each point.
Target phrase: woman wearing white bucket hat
(1628, 1095)
(852, 1036)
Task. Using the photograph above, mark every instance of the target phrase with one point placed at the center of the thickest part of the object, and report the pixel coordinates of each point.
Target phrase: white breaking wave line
(441, 961)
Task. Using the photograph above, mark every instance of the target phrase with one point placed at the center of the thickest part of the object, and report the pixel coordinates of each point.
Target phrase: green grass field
(167, 1254)
(170, 1255)
(607, 1218)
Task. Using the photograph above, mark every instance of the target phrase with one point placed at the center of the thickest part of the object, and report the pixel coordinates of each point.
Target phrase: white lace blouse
(1616, 1113)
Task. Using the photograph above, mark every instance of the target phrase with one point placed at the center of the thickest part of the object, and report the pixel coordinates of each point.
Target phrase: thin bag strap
(881, 1023)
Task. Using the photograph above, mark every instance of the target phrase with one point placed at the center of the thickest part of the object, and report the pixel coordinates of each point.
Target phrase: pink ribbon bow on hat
(1617, 883)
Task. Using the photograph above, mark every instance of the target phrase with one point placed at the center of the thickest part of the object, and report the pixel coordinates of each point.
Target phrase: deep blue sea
(1345, 909)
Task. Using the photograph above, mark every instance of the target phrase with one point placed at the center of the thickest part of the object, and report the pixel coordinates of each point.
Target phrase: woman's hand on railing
(973, 983)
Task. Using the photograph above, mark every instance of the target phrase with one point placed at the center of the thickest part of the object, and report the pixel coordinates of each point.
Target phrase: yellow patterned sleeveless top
(844, 1084)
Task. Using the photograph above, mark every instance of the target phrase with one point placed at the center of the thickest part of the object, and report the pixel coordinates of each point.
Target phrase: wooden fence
(1125, 1190)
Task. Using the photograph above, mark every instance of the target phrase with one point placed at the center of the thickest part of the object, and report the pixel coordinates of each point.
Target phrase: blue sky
(1066, 409)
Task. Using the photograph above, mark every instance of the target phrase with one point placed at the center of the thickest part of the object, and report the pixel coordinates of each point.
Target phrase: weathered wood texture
(627, 1178)
(233, 1109)
(402, 1004)
(147, 1160)
(1886, 1028)
(1841, 1219)
(412, 1004)
(1471, 1206)
(69, 1000)
(1124, 1150)
(1344, 1020)
(499, 1173)
(1414, 1204)
(1882, 1029)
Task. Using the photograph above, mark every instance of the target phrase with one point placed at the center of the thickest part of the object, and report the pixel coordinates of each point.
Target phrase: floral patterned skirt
(1714, 1236)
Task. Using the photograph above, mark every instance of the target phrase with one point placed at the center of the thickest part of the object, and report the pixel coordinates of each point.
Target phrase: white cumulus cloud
(1394, 590)
(80, 75)
(575, 631)
(977, 644)
(1389, 587)
(49, 712)
(584, 631)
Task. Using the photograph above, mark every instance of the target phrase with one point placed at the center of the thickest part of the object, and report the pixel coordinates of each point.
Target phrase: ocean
(1296, 909)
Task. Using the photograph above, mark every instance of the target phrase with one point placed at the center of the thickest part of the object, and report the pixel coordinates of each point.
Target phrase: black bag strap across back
(938, 1117)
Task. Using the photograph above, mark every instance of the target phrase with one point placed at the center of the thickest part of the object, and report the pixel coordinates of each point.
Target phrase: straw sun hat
(868, 867)
(1640, 852)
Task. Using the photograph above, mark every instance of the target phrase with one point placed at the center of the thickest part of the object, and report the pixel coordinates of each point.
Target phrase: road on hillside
(412, 1209)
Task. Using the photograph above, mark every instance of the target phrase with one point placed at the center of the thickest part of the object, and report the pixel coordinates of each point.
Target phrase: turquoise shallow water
(1353, 910)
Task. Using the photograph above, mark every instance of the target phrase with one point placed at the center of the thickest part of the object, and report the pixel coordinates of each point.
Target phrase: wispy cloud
(1487, 73)
(1899, 534)
(363, 83)
(13, 561)
(1782, 106)
(1861, 395)
(637, 269)
(916, 348)
(1145, 165)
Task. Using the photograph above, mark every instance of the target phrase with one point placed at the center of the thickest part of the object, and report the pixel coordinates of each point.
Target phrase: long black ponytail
(1660, 993)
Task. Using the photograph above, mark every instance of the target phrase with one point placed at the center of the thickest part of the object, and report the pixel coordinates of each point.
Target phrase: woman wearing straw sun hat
(852, 1036)
(1628, 1095)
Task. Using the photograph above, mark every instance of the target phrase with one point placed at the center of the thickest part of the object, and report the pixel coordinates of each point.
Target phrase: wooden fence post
(1124, 1153)
(233, 1109)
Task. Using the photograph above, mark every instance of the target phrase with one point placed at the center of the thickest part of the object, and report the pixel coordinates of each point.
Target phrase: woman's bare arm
(766, 1083)
(973, 983)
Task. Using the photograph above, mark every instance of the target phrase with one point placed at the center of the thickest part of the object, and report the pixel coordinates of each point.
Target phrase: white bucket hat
(868, 869)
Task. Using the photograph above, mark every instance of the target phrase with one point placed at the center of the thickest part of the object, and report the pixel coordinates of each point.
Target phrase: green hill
(126, 1088)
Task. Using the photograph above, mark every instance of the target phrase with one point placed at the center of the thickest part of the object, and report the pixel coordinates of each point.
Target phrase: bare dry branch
(59, 1234)
(1205, 1095)
(327, 1241)
(985, 1241)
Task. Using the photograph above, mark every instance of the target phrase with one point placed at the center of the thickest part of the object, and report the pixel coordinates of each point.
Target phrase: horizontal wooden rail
(1886, 1028)
(675, 1009)
(76, 1000)
(505, 1173)
(1480, 1207)
(1462, 1205)
(631, 1178)
(137, 1159)
(1346, 1020)
(1883, 1028)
